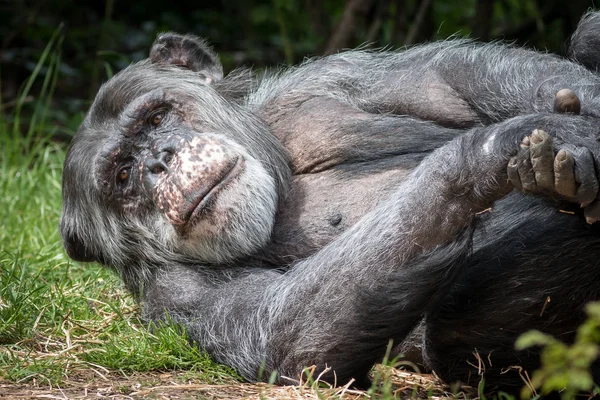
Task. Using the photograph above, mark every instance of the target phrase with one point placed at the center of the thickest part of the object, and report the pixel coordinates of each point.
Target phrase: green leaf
(533, 338)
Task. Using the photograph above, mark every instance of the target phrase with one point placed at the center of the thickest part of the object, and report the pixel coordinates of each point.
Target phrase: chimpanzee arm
(497, 82)
(500, 82)
(340, 307)
(454, 83)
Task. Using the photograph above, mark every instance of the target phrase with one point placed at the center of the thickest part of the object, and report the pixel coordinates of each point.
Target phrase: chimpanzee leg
(532, 267)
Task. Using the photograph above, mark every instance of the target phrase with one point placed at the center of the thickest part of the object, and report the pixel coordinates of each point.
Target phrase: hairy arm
(500, 82)
(339, 307)
(456, 84)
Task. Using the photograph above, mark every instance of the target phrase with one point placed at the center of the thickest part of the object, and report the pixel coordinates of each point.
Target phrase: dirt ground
(90, 384)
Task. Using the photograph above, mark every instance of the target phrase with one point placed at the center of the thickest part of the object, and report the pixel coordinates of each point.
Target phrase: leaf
(533, 338)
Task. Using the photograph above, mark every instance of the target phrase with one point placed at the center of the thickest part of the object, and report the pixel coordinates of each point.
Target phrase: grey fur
(411, 145)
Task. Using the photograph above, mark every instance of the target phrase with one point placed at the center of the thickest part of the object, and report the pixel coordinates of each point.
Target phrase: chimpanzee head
(166, 169)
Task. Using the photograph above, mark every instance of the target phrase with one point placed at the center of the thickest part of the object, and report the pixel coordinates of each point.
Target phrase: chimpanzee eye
(123, 175)
(156, 116)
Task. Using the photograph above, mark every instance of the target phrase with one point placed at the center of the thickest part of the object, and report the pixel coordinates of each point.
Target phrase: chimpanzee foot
(570, 174)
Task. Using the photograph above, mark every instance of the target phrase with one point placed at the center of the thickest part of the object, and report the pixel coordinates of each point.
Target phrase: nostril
(157, 166)
(167, 157)
(160, 164)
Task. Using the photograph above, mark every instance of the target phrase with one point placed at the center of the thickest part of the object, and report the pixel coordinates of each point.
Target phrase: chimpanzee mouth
(201, 207)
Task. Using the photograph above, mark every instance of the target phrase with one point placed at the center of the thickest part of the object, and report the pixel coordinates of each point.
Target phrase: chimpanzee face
(164, 168)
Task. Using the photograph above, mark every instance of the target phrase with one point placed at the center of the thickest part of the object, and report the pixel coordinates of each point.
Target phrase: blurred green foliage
(566, 369)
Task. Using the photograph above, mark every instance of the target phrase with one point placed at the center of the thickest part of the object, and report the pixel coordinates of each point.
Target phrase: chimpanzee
(311, 215)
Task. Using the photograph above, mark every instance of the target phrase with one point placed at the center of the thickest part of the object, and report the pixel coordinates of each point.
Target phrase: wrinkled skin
(308, 217)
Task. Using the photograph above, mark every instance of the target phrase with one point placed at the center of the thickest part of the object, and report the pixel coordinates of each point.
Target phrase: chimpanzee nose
(160, 164)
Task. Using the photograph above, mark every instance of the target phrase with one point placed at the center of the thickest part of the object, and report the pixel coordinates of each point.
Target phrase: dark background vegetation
(103, 36)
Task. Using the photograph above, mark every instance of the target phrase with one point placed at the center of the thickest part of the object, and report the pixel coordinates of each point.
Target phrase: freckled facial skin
(209, 194)
(195, 171)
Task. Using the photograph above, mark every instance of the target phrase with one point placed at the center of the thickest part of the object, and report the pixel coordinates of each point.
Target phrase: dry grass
(91, 383)
(59, 359)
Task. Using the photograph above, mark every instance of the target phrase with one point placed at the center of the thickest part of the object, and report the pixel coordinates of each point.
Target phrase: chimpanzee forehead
(122, 89)
(133, 82)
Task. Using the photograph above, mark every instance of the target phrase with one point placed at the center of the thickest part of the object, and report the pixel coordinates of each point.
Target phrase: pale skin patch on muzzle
(194, 169)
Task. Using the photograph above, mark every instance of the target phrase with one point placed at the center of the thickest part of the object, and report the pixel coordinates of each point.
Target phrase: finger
(585, 175)
(525, 168)
(542, 159)
(564, 174)
(513, 173)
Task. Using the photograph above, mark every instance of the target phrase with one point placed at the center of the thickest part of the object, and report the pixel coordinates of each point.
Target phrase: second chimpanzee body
(352, 214)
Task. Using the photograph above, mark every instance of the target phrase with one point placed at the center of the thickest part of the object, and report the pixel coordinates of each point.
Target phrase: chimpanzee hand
(571, 173)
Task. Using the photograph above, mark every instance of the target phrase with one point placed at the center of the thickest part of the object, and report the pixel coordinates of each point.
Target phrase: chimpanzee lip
(202, 205)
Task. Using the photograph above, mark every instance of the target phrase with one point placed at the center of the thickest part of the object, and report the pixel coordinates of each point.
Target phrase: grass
(71, 330)
(57, 317)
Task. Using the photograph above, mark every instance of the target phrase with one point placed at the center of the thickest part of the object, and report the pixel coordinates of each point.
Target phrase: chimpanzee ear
(188, 52)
